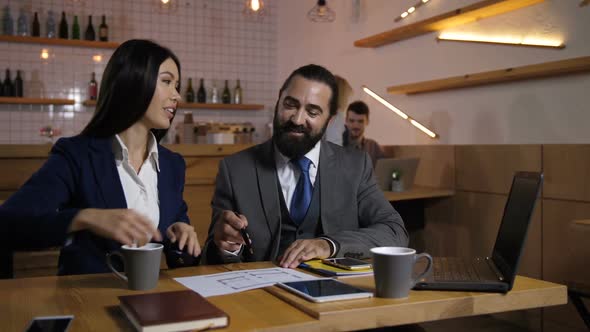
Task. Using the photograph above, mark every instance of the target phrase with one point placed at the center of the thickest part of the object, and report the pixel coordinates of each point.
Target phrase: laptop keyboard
(453, 269)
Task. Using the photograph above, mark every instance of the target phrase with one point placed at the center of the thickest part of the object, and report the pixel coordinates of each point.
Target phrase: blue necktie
(303, 190)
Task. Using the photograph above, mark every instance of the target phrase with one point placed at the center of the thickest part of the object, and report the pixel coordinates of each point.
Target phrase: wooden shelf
(58, 42)
(36, 101)
(467, 14)
(554, 68)
(233, 107)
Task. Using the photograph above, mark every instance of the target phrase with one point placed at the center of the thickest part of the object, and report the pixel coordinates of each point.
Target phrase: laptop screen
(515, 222)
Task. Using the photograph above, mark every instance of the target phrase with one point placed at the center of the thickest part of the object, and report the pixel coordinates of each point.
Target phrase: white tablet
(324, 290)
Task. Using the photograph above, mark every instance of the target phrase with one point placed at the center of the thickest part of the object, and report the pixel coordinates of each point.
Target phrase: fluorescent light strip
(410, 10)
(508, 40)
(400, 113)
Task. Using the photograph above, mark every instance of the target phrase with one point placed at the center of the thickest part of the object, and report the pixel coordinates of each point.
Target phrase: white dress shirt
(141, 189)
(288, 173)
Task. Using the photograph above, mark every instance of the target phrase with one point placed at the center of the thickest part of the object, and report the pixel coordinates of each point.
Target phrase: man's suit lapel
(268, 189)
(327, 180)
(105, 173)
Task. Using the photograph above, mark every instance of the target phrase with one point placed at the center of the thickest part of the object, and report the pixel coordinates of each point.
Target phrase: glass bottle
(188, 128)
(225, 96)
(36, 26)
(22, 28)
(190, 93)
(238, 94)
(201, 94)
(63, 26)
(1, 88)
(103, 30)
(92, 88)
(8, 86)
(214, 94)
(7, 22)
(18, 85)
(76, 28)
(50, 25)
(90, 34)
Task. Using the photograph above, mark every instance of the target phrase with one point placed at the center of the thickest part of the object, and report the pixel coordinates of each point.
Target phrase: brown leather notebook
(172, 311)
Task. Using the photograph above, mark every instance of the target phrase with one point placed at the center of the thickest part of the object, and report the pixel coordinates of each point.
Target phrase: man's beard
(294, 147)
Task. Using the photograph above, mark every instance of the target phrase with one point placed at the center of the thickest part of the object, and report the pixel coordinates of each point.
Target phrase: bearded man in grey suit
(299, 196)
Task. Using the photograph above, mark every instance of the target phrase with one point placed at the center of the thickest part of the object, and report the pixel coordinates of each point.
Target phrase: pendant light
(254, 9)
(321, 13)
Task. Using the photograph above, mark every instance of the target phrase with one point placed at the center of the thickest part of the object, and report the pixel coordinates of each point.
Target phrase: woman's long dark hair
(127, 88)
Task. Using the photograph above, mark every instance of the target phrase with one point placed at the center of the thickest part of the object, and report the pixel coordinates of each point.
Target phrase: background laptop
(406, 166)
(495, 273)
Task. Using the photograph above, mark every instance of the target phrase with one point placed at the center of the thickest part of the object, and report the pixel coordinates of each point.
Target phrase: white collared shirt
(288, 173)
(141, 189)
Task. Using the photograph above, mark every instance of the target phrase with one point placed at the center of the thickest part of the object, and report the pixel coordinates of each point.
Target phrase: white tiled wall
(212, 39)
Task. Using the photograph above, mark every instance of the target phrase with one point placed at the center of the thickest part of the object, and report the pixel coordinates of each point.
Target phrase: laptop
(497, 272)
(405, 166)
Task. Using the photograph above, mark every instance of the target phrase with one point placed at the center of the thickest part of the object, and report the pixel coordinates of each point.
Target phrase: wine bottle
(103, 30)
(18, 85)
(201, 94)
(50, 25)
(7, 22)
(36, 26)
(63, 26)
(238, 94)
(22, 24)
(190, 93)
(8, 86)
(92, 88)
(214, 94)
(89, 34)
(76, 28)
(225, 96)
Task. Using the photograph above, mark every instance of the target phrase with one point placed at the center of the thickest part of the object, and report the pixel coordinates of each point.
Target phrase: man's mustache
(291, 127)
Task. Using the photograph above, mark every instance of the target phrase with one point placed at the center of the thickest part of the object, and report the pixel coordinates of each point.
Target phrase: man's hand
(184, 234)
(304, 250)
(226, 232)
(122, 225)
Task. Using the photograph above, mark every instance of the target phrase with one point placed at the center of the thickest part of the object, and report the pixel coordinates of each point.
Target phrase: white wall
(550, 110)
(211, 37)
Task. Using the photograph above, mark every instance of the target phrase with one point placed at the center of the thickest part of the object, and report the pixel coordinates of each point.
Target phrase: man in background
(357, 118)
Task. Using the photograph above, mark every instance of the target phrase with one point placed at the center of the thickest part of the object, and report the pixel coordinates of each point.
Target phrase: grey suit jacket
(353, 210)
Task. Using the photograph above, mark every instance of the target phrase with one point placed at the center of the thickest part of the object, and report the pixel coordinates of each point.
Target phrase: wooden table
(417, 192)
(410, 204)
(92, 299)
(582, 222)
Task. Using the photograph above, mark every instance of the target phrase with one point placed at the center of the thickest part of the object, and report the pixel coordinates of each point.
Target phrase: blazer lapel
(105, 173)
(164, 194)
(268, 189)
(327, 180)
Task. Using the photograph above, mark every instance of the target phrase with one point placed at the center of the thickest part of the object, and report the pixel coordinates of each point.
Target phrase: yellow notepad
(317, 266)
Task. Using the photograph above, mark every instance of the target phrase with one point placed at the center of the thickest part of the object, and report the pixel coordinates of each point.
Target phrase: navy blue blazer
(81, 173)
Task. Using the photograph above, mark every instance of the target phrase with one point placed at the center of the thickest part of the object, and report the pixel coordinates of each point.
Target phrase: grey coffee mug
(142, 265)
(393, 267)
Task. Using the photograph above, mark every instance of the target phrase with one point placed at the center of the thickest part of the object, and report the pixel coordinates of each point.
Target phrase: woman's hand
(122, 225)
(184, 234)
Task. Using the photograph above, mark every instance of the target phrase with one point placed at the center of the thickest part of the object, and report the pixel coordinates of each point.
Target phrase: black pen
(246, 237)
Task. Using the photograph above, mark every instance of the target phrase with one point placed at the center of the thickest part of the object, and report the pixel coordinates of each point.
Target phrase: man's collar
(313, 155)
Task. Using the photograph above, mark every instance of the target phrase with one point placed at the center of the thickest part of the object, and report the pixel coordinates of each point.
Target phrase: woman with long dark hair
(114, 183)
